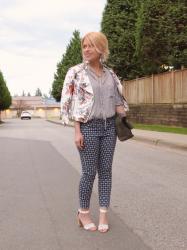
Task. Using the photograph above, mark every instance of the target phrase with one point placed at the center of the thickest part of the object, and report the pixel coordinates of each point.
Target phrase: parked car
(25, 115)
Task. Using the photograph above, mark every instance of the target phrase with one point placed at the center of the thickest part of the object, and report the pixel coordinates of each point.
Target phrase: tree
(45, 96)
(23, 93)
(50, 93)
(20, 105)
(29, 94)
(38, 92)
(5, 97)
(118, 23)
(144, 35)
(160, 35)
(71, 57)
(177, 17)
(151, 43)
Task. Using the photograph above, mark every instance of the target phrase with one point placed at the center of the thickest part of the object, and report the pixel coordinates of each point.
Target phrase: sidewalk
(169, 140)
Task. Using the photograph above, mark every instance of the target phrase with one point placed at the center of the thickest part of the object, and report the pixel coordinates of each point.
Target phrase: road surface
(39, 169)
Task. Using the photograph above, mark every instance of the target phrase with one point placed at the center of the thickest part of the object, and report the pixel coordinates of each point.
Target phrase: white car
(25, 115)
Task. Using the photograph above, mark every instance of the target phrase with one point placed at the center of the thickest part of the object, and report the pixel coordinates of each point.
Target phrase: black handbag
(123, 128)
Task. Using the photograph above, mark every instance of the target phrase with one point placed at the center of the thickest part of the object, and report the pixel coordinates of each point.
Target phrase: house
(37, 105)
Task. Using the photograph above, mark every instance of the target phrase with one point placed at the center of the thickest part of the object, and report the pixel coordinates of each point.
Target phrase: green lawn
(161, 128)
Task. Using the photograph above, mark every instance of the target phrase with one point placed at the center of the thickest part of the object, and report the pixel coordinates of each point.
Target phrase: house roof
(33, 102)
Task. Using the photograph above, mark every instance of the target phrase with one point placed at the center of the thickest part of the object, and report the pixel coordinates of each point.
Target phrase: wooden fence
(169, 87)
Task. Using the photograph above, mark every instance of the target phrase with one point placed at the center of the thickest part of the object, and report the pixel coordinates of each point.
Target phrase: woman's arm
(79, 140)
(66, 96)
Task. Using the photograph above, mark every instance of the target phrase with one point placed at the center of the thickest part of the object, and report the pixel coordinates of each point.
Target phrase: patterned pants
(96, 157)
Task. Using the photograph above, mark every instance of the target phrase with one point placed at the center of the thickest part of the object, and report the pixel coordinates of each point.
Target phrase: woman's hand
(120, 110)
(79, 140)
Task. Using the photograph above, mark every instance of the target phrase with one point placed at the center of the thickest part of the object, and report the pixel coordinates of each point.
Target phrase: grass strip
(161, 128)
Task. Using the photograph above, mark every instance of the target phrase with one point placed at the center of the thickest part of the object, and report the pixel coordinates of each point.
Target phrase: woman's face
(89, 52)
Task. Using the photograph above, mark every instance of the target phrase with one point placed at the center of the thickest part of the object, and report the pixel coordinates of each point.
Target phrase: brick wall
(165, 114)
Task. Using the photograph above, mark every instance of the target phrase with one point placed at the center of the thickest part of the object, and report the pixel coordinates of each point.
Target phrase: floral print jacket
(77, 94)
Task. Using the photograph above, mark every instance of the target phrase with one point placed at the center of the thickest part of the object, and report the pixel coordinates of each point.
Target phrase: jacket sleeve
(66, 96)
(120, 90)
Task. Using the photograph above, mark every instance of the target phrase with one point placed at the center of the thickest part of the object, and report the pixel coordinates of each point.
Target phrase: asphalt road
(39, 171)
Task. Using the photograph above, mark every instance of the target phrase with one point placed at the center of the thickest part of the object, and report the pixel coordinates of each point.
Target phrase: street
(39, 169)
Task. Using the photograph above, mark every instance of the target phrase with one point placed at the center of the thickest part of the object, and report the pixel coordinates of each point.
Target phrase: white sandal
(90, 226)
(103, 228)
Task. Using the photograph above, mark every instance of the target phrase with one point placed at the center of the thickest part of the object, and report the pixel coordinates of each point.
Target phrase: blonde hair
(99, 41)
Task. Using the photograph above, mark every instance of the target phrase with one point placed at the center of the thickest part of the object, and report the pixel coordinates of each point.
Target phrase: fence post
(152, 89)
(182, 70)
(137, 91)
(173, 86)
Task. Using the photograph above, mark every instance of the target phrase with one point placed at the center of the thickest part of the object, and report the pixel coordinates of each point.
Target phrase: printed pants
(96, 157)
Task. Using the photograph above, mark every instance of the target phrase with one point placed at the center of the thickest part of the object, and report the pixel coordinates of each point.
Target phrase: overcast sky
(34, 35)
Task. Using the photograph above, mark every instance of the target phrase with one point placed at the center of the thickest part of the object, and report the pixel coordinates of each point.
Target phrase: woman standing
(91, 96)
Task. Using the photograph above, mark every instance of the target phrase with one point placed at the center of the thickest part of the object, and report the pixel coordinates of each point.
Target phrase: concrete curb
(56, 122)
(153, 141)
(161, 142)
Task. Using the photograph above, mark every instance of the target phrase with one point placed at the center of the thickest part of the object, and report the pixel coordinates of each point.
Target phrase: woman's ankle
(103, 209)
(83, 210)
